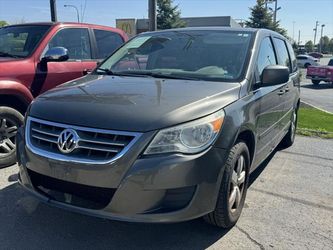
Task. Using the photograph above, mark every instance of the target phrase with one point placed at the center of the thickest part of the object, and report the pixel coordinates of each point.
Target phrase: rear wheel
(233, 188)
(10, 121)
(315, 82)
(289, 138)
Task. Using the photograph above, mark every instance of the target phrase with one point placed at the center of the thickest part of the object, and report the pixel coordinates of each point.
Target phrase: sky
(294, 15)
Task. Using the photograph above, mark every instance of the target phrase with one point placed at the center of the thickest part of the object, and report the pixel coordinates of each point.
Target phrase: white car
(304, 61)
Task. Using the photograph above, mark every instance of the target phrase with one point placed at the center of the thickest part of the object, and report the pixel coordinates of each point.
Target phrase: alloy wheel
(237, 184)
(293, 125)
(8, 130)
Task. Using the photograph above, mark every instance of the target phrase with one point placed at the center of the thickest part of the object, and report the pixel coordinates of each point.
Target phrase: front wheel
(10, 121)
(233, 188)
(315, 82)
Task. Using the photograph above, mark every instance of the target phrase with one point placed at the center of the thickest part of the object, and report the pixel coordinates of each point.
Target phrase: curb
(313, 106)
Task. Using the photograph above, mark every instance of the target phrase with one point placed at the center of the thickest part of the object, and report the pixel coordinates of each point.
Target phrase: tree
(330, 46)
(261, 18)
(309, 46)
(168, 16)
(3, 23)
(324, 41)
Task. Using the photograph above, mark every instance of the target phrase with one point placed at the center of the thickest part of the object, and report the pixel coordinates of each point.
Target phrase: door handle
(281, 92)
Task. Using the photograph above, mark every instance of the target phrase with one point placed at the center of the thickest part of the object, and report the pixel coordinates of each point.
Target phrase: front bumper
(168, 188)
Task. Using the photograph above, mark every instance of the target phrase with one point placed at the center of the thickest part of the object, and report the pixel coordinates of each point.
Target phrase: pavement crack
(308, 155)
(304, 202)
(261, 246)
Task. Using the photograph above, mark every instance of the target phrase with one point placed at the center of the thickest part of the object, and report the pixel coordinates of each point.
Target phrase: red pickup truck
(39, 56)
(320, 73)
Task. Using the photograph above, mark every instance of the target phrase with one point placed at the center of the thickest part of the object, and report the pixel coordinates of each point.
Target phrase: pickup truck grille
(92, 145)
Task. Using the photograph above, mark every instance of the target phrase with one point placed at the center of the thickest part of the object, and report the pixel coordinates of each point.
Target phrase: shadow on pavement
(322, 85)
(26, 223)
(257, 172)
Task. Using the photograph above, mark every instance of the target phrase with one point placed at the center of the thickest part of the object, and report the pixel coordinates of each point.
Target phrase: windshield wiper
(137, 73)
(107, 71)
(121, 73)
(5, 54)
(156, 75)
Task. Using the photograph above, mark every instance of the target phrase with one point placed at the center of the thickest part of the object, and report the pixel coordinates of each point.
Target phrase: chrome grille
(96, 146)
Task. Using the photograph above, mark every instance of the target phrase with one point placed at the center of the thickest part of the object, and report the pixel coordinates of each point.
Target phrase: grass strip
(314, 122)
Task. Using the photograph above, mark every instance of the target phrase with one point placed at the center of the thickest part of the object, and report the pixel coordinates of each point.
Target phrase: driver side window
(266, 55)
(76, 40)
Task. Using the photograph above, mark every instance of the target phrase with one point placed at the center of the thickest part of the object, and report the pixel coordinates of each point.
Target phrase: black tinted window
(107, 42)
(75, 40)
(292, 57)
(266, 55)
(282, 53)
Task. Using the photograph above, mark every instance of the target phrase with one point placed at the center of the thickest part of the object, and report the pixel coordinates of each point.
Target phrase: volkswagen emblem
(68, 141)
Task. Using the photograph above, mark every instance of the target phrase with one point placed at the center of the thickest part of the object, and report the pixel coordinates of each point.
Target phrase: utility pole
(321, 37)
(315, 34)
(152, 15)
(299, 37)
(276, 9)
(53, 9)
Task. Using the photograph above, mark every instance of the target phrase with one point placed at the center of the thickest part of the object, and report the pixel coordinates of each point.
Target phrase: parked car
(36, 57)
(316, 55)
(305, 61)
(320, 73)
(166, 129)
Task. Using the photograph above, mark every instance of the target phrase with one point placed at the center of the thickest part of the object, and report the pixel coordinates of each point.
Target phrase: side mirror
(56, 54)
(274, 75)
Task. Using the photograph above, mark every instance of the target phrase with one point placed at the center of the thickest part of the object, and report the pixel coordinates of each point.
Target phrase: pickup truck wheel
(10, 121)
(233, 188)
(315, 82)
(289, 138)
(307, 65)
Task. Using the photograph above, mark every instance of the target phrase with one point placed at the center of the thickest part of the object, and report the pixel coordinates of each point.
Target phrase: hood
(132, 103)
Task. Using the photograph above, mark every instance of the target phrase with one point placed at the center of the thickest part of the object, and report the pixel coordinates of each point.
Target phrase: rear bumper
(319, 78)
(168, 188)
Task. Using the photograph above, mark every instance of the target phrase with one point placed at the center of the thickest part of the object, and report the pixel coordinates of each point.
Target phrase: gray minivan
(166, 129)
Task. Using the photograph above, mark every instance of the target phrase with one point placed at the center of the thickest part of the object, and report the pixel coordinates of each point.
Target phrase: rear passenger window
(76, 40)
(107, 42)
(266, 55)
(282, 53)
(292, 57)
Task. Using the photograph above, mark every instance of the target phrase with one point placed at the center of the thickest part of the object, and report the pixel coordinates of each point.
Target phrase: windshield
(20, 41)
(199, 55)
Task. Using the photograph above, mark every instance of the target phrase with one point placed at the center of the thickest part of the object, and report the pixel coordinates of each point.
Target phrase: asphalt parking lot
(289, 206)
(320, 96)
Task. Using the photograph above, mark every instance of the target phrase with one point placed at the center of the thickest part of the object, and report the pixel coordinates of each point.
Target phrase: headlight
(190, 138)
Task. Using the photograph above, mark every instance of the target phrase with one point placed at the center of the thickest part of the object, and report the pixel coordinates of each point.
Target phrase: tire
(289, 139)
(315, 82)
(226, 214)
(10, 121)
(307, 65)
